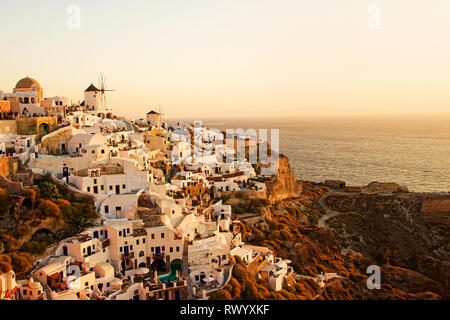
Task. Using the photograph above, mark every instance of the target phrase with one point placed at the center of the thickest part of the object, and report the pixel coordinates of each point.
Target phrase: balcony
(105, 243)
(158, 255)
(129, 255)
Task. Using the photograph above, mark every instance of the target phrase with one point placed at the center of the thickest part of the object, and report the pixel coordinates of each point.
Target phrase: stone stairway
(185, 260)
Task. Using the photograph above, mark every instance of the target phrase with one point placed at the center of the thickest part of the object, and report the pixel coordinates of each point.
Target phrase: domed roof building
(29, 84)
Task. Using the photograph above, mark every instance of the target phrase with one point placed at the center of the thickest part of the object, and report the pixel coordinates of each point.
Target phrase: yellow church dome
(27, 83)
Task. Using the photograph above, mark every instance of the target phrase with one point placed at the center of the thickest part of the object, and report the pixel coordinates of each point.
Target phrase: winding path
(323, 221)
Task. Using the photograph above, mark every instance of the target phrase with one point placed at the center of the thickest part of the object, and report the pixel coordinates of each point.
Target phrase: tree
(5, 263)
(21, 262)
(49, 190)
(47, 208)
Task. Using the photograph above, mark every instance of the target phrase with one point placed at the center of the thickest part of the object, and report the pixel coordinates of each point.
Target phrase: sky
(235, 58)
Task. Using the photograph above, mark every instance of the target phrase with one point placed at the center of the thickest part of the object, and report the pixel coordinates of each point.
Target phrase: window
(137, 242)
(103, 150)
(107, 210)
(88, 189)
(93, 151)
(153, 236)
(131, 247)
(224, 257)
(163, 248)
(162, 235)
(110, 187)
(95, 181)
(128, 230)
(143, 240)
(171, 249)
(178, 249)
(120, 233)
(153, 249)
(124, 186)
(120, 249)
(118, 209)
(102, 187)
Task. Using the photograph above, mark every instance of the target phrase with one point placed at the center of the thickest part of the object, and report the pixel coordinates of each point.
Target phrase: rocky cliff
(389, 231)
(283, 184)
(395, 230)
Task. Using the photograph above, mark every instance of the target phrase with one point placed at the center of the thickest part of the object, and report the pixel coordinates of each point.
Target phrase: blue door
(96, 234)
(158, 250)
(125, 250)
(64, 251)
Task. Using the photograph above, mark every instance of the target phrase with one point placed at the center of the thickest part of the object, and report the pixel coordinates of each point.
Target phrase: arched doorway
(44, 128)
(176, 265)
(158, 265)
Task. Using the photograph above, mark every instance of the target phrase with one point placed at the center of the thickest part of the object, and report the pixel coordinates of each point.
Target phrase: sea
(411, 150)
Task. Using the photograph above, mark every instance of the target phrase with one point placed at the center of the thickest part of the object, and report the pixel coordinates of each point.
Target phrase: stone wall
(8, 126)
(10, 186)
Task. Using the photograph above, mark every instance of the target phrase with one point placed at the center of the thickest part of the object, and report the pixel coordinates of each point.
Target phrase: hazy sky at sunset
(235, 57)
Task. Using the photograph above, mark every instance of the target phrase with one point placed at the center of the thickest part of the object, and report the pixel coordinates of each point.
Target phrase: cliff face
(284, 184)
(392, 232)
(396, 230)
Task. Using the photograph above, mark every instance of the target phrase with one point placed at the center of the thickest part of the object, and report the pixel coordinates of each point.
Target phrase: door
(96, 234)
(64, 251)
(95, 189)
(89, 250)
(117, 189)
(125, 250)
(158, 250)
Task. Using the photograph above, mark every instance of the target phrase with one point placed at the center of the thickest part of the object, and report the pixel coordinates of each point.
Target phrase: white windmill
(103, 89)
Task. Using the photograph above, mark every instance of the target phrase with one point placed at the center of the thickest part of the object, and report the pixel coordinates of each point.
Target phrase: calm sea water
(410, 150)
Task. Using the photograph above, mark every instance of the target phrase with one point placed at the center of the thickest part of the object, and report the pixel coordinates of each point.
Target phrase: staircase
(185, 261)
(47, 292)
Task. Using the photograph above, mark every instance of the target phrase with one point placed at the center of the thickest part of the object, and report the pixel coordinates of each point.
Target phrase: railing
(129, 255)
(158, 255)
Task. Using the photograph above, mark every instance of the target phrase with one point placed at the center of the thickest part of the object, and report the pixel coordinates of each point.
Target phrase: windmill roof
(153, 112)
(91, 88)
